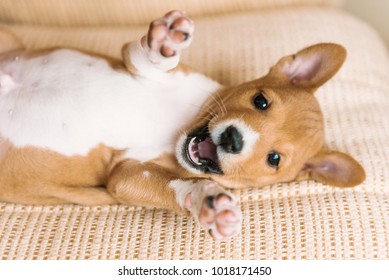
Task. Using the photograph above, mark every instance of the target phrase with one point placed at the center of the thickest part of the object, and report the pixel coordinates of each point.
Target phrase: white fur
(182, 188)
(150, 63)
(198, 192)
(70, 102)
(198, 189)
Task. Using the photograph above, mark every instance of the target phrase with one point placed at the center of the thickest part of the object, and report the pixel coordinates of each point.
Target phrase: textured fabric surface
(305, 220)
(119, 12)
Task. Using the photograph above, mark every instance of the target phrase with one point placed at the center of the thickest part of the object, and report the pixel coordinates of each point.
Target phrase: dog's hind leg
(159, 50)
(9, 42)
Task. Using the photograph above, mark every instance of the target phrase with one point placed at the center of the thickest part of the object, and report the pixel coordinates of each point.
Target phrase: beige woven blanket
(287, 221)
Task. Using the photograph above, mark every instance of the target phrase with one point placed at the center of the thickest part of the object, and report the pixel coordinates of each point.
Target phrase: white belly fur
(70, 102)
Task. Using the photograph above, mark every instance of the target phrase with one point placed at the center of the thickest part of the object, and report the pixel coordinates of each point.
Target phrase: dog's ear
(333, 168)
(310, 67)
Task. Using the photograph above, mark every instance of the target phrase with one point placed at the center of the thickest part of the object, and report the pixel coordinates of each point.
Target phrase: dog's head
(270, 130)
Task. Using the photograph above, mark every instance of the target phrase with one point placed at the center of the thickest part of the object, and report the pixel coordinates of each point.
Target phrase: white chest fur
(70, 102)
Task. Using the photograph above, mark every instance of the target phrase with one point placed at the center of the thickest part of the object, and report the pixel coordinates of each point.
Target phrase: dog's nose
(231, 140)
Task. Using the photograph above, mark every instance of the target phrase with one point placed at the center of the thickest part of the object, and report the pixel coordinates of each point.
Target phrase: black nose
(231, 140)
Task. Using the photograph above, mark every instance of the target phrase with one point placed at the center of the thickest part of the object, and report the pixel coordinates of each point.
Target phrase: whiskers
(220, 103)
(212, 111)
(214, 114)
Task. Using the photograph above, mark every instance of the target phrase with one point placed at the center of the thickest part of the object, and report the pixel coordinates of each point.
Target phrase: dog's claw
(210, 200)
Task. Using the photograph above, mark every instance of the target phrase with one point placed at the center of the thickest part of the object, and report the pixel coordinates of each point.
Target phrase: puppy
(80, 128)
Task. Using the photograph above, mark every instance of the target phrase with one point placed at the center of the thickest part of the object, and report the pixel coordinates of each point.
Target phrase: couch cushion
(304, 220)
(122, 12)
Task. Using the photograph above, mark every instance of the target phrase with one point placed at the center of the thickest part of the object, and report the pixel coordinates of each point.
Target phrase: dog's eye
(273, 159)
(260, 101)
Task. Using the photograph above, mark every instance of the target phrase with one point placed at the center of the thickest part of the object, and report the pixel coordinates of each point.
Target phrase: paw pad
(219, 212)
(170, 34)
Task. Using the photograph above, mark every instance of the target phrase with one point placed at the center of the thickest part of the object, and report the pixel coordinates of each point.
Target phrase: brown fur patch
(38, 176)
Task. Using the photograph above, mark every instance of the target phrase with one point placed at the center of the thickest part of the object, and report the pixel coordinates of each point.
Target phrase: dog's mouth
(201, 152)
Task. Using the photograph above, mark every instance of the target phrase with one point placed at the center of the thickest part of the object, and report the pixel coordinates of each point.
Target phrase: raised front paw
(216, 209)
(170, 34)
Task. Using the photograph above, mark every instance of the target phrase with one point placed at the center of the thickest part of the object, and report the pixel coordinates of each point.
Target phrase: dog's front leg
(143, 184)
(148, 184)
(159, 51)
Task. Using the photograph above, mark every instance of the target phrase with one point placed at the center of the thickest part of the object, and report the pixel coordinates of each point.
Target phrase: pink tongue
(207, 149)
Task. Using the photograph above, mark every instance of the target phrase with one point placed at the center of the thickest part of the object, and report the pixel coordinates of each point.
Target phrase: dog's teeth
(199, 139)
(197, 158)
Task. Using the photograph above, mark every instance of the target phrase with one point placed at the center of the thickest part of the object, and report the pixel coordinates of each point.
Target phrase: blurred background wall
(375, 12)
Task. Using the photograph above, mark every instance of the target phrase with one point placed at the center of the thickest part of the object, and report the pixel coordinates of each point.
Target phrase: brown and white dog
(85, 129)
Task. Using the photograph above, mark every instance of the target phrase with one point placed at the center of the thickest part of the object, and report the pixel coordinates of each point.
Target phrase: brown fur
(128, 177)
(31, 175)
